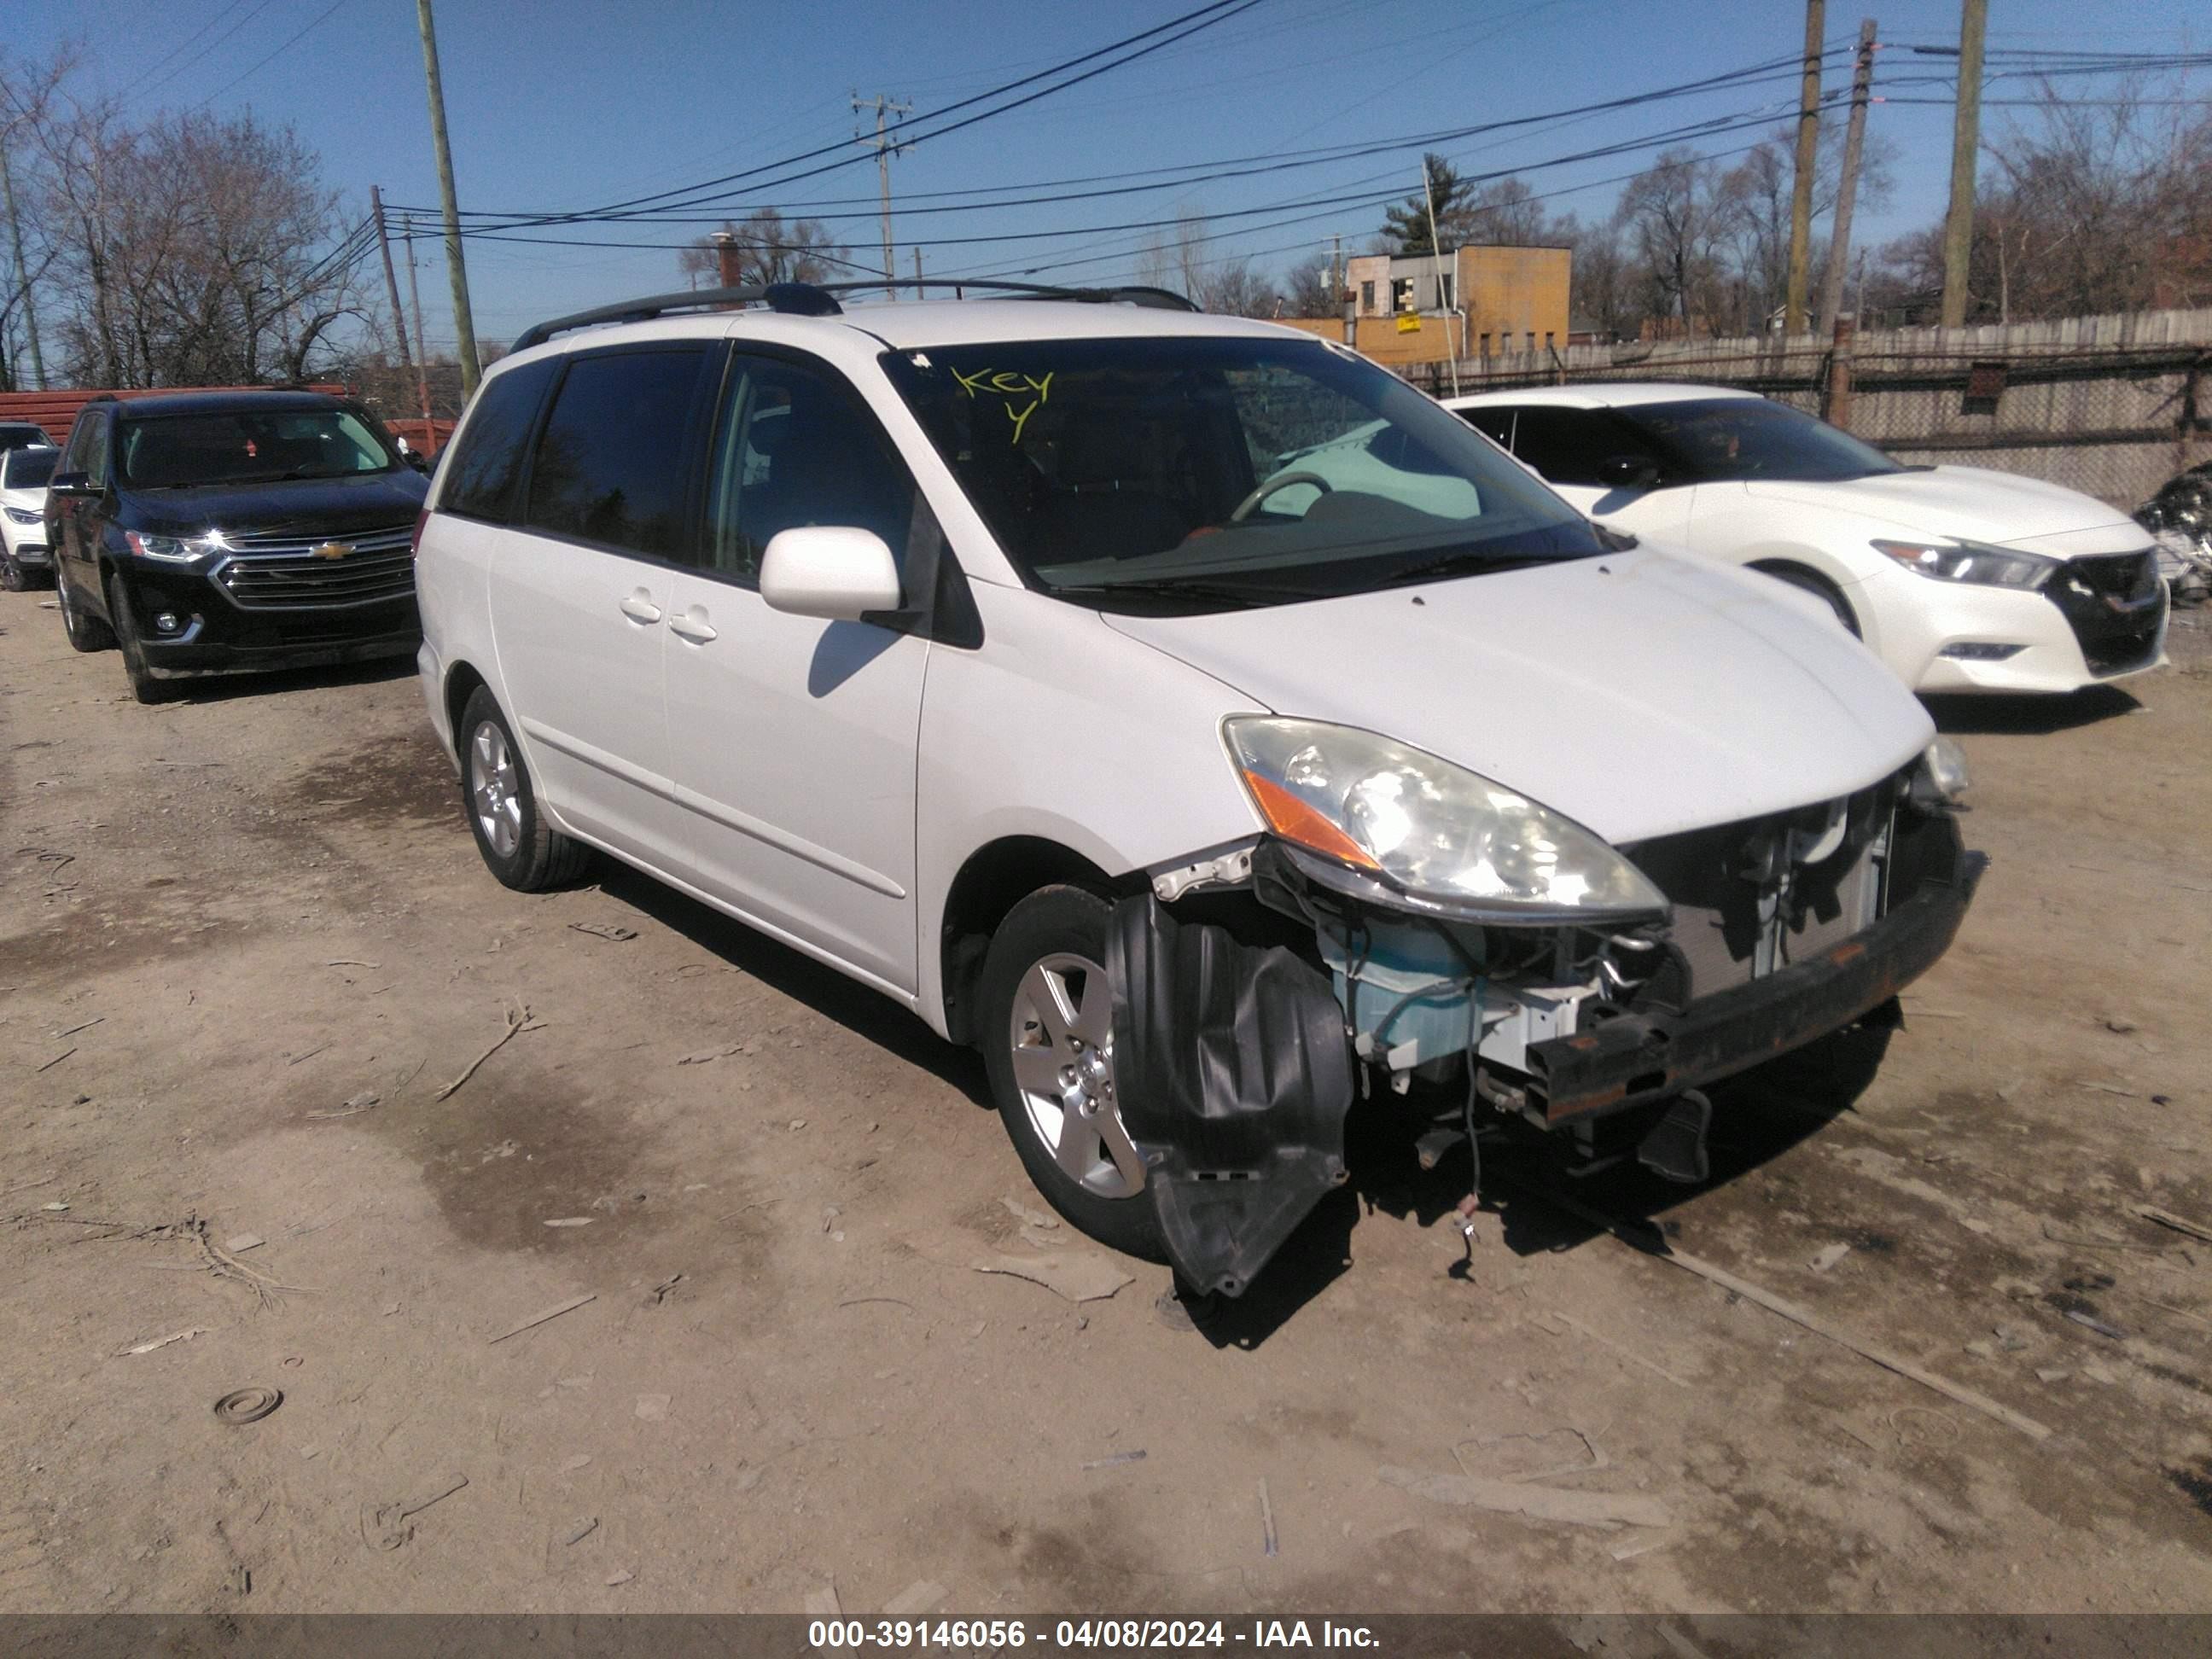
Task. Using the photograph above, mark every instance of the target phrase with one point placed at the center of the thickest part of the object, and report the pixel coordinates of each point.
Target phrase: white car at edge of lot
(1059, 671)
(1960, 578)
(23, 552)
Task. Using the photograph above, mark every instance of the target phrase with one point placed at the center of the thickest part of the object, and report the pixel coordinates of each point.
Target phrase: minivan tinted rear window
(486, 464)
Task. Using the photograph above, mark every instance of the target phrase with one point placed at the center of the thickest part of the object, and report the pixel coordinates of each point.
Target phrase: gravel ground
(246, 943)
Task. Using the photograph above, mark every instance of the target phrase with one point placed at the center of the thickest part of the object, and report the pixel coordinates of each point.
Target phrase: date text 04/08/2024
(999, 1633)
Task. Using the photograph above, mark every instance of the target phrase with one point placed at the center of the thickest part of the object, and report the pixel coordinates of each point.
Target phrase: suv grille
(2115, 604)
(285, 572)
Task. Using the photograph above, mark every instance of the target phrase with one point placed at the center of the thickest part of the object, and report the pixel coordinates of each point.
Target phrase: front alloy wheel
(1062, 1036)
(1046, 1013)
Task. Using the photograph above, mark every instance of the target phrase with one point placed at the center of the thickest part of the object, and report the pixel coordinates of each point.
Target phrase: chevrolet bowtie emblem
(332, 550)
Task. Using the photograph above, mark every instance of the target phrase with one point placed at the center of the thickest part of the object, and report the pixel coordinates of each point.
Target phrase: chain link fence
(2111, 406)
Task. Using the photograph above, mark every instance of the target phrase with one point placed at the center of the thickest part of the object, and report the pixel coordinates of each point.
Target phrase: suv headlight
(21, 515)
(178, 550)
(1970, 561)
(1428, 826)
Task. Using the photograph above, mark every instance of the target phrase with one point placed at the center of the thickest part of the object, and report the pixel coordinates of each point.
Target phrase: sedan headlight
(1970, 561)
(178, 550)
(1428, 826)
(21, 515)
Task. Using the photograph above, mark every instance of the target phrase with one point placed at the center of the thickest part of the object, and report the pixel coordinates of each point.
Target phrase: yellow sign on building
(1408, 323)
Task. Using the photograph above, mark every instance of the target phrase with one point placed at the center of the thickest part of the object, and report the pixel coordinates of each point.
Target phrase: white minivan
(1960, 578)
(1203, 723)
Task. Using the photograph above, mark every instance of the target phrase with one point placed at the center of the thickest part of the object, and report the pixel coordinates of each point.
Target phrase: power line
(263, 64)
(1188, 174)
(1201, 18)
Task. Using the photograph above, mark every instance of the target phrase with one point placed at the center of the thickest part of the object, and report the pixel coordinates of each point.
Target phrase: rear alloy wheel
(1047, 1019)
(85, 633)
(144, 686)
(519, 847)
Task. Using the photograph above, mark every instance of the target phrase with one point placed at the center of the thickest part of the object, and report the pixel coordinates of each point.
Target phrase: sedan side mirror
(1628, 471)
(70, 483)
(834, 572)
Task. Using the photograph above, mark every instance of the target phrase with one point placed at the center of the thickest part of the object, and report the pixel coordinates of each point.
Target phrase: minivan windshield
(1736, 438)
(1218, 472)
(247, 445)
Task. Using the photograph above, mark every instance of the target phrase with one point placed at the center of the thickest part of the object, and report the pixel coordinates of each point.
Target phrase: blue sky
(562, 104)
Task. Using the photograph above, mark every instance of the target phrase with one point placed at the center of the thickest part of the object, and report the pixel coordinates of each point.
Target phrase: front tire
(144, 686)
(1046, 1025)
(85, 633)
(519, 847)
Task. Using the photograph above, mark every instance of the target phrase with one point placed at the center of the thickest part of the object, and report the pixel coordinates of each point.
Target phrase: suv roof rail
(820, 300)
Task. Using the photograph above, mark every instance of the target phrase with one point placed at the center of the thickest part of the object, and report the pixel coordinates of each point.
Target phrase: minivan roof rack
(820, 300)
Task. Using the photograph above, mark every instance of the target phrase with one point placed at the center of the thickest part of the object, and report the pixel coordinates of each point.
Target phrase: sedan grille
(293, 572)
(2116, 604)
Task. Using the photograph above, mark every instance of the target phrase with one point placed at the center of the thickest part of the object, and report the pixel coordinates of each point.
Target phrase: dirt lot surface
(246, 941)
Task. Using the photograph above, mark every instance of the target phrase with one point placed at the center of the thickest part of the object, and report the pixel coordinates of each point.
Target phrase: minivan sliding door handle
(692, 625)
(639, 607)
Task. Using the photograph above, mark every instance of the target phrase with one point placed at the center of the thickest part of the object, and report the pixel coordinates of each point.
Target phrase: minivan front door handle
(692, 625)
(639, 607)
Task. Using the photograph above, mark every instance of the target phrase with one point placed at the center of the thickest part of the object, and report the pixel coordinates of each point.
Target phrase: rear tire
(519, 847)
(85, 633)
(13, 577)
(1811, 581)
(144, 686)
(1050, 946)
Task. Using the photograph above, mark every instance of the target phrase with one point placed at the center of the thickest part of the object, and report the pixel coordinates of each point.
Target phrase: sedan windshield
(235, 446)
(1218, 472)
(1725, 438)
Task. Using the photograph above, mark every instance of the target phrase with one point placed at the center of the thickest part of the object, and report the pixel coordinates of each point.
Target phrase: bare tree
(770, 249)
(1307, 291)
(1672, 222)
(191, 251)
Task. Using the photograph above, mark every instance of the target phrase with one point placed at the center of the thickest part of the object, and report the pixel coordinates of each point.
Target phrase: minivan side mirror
(1628, 471)
(70, 483)
(835, 572)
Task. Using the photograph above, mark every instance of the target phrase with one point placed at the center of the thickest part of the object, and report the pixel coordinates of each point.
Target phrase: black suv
(212, 532)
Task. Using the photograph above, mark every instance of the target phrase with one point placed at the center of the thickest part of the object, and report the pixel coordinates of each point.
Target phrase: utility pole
(1808, 160)
(1965, 151)
(1847, 188)
(390, 281)
(884, 150)
(917, 271)
(464, 328)
(415, 298)
(22, 274)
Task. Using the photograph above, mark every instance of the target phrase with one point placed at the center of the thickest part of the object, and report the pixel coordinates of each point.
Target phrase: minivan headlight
(1429, 826)
(178, 550)
(1970, 561)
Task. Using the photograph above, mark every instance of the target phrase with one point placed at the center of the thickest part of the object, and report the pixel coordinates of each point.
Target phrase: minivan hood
(1637, 693)
(364, 500)
(1968, 502)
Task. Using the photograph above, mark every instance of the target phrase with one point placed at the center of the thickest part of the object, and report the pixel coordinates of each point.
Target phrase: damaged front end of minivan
(1406, 924)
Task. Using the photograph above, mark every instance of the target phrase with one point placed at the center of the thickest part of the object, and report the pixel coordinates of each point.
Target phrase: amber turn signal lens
(1293, 820)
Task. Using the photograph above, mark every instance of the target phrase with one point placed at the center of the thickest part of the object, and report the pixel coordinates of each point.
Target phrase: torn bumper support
(1646, 1056)
(1234, 1075)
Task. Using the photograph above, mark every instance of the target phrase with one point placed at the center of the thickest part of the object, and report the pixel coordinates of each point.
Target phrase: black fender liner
(1233, 1073)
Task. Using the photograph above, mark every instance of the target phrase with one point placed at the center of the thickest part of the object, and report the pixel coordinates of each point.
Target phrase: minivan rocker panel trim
(1756, 705)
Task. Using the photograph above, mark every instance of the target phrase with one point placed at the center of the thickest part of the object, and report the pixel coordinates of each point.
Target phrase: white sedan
(23, 475)
(1961, 579)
